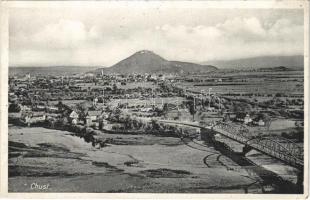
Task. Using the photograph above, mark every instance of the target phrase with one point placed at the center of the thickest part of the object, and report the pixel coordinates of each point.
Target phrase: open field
(148, 101)
(269, 87)
(131, 164)
(67, 102)
(131, 85)
(252, 82)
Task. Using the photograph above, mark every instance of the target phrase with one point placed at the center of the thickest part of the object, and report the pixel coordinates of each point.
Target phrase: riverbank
(95, 136)
(132, 163)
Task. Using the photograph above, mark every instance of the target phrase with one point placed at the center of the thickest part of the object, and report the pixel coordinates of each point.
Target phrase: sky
(102, 36)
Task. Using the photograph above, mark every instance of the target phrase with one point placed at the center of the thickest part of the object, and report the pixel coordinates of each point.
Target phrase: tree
(114, 88)
(158, 111)
(82, 111)
(108, 109)
(267, 119)
(192, 109)
(278, 94)
(179, 115)
(100, 123)
(165, 109)
(60, 105)
(14, 108)
(128, 122)
(155, 125)
(241, 107)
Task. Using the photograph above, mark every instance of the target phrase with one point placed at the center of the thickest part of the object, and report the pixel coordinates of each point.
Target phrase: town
(95, 104)
(95, 99)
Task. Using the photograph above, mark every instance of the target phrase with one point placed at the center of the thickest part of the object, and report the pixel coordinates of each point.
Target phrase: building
(181, 115)
(52, 109)
(33, 117)
(39, 107)
(25, 108)
(73, 117)
(27, 118)
(243, 117)
(38, 116)
(229, 116)
(92, 117)
(259, 121)
(240, 117)
(211, 109)
(94, 114)
(247, 119)
(88, 121)
(52, 116)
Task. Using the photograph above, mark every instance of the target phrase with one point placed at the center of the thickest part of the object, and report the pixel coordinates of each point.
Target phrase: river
(130, 163)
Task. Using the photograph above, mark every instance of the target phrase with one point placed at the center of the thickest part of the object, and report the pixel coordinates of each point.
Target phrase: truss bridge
(280, 148)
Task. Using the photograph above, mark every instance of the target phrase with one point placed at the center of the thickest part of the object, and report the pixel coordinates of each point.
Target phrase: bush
(279, 95)
(14, 108)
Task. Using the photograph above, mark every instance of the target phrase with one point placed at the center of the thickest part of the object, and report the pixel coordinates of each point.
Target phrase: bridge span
(280, 148)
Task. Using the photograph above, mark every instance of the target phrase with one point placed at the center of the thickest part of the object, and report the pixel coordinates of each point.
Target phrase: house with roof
(52, 109)
(181, 114)
(260, 120)
(73, 117)
(25, 108)
(38, 116)
(229, 116)
(12, 97)
(240, 117)
(33, 117)
(247, 119)
(244, 118)
(39, 107)
(92, 117)
(52, 116)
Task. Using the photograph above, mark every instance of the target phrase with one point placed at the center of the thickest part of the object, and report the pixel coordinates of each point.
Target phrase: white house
(25, 108)
(247, 119)
(52, 108)
(261, 123)
(73, 117)
(73, 114)
(74, 121)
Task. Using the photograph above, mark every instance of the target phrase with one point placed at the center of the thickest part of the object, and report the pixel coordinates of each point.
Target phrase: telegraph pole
(202, 96)
(153, 100)
(209, 97)
(126, 101)
(103, 96)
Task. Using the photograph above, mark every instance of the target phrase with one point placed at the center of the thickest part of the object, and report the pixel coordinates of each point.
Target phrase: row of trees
(134, 124)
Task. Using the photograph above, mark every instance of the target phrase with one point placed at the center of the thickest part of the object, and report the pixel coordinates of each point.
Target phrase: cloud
(106, 40)
(63, 34)
(243, 28)
(234, 38)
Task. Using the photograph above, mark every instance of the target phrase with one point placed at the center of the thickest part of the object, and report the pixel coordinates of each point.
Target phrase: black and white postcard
(132, 99)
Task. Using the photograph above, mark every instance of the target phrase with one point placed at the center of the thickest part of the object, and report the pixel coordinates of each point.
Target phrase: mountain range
(51, 70)
(148, 62)
(292, 62)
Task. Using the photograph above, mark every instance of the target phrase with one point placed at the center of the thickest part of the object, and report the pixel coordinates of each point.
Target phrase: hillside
(148, 62)
(52, 70)
(280, 68)
(260, 62)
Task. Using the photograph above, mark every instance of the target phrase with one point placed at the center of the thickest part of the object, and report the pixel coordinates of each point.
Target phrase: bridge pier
(207, 135)
(300, 181)
(246, 149)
